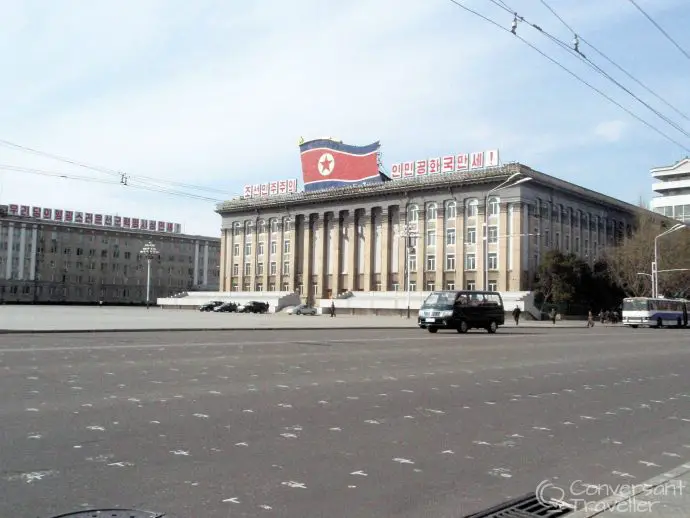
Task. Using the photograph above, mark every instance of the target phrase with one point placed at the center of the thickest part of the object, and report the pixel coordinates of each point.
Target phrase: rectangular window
(286, 246)
(430, 263)
(493, 261)
(493, 286)
(430, 238)
(396, 286)
(236, 250)
(286, 286)
(470, 262)
(247, 268)
(260, 248)
(260, 268)
(470, 286)
(493, 234)
(274, 247)
(450, 237)
(412, 263)
(577, 245)
(413, 285)
(450, 262)
(450, 286)
(471, 236)
(273, 268)
(430, 286)
(248, 249)
(235, 269)
(286, 268)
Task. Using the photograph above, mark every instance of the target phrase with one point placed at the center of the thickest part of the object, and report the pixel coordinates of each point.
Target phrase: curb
(606, 504)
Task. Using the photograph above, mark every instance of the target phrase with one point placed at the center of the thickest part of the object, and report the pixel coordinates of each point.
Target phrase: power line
(661, 30)
(573, 74)
(577, 53)
(612, 62)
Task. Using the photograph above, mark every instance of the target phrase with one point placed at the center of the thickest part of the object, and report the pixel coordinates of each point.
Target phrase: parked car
(254, 307)
(226, 307)
(210, 306)
(303, 309)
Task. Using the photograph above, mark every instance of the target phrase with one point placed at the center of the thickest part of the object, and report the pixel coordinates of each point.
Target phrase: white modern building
(672, 187)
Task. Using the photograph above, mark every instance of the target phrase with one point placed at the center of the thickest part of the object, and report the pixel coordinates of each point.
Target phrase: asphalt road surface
(334, 423)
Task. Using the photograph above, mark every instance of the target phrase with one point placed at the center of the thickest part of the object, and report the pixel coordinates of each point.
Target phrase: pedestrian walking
(552, 315)
(516, 315)
(590, 319)
(332, 309)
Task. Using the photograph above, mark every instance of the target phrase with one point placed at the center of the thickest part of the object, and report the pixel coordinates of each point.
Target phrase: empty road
(334, 423)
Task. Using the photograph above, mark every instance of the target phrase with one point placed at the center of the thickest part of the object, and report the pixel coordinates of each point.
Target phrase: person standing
(332, 309)
(516, 315)
(590, 319)
(552, 315)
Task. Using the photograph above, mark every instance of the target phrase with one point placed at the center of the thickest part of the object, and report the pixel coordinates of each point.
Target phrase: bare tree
(634, 255)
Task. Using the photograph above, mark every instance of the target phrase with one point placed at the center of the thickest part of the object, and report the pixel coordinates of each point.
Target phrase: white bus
(655, 312)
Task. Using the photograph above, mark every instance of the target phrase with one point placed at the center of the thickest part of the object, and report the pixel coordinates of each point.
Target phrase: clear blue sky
(217, 93)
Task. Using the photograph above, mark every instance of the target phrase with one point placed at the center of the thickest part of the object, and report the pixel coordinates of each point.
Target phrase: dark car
(254, 307)
(210, 306)
(462, 311)
(226, 307)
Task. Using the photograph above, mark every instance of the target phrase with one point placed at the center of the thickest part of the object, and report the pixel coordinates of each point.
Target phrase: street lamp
(655, 264)
(149, 251)
(408, 233)
(506, 184)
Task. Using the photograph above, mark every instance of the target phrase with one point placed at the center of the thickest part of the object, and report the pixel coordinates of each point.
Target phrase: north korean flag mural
(328, 164)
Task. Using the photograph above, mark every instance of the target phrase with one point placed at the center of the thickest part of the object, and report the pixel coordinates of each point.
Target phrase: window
(493, 261)
(493, 234)
(259, 287)
(236, 230)
(558, 240)
(450, 262)
(430, 238)
(273, 268)
(431, 212)
(470, 262)
(260, 248)
(396, 286)
(286, 268)
(287, 225)
(378, 286)
(260, 268)
(248, 249)
(577, 245)
(493, 286)
(430, 286)
(235, 269)
(471, 236)
(274, 247)
(248, 231)
(286, 286)
(472, 209)
(412, 260)
(494, 207)
(262, 227)
(247, 268)
(286, 246)
(274, 228)
(450, 286)
(450, 236)
(430, 263)
(272, 286)
(470, 286)
(547, 239)
(80, 251)
(413, 214)
(236, 250)
(451, 210)
(413, 286)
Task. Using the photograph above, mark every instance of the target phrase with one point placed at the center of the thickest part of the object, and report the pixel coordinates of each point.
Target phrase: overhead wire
(661, 30)
(611, 61)
(573, 74)
(577, 53)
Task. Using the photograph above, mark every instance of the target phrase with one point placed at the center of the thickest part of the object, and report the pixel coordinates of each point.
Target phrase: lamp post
(655, 264)
(149, 252)
(408, 233)
(510, 182)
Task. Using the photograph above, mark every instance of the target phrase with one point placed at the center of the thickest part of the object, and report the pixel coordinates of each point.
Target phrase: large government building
(56, 256)
(484, 229)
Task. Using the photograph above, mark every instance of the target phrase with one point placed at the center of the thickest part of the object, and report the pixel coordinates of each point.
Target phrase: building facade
(672, 187)
(444, 232)
(43, 261)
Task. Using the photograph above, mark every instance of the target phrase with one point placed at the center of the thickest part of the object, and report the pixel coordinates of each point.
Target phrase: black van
(462, 310)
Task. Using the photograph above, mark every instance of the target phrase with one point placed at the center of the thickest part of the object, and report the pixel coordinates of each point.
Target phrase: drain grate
(527, 506)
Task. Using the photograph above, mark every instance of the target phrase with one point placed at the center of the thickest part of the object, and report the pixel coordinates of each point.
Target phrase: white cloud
(217, 93)
(610, 131)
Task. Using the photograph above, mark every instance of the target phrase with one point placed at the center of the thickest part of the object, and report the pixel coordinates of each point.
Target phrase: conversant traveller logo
(622, 498)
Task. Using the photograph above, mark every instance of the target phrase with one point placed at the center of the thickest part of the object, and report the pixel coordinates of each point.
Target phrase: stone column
(34, 252)
(420, 249)
(240, 240)
(266, 237)
(441, 247)
(482, 233)
(321, 242)
(352, 247)
(195, 277)
(504, 241)
(459, 245)
(22, 251)
(399, 247)
(334, 244)
(10, 245)
(368, 221)
(223, 259)
(385, 249)
(305, 258)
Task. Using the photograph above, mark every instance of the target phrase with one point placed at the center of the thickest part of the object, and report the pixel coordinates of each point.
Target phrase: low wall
(277, 300)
